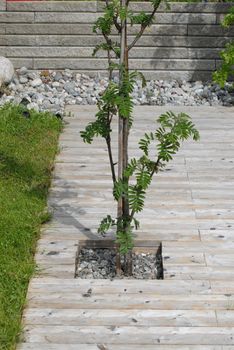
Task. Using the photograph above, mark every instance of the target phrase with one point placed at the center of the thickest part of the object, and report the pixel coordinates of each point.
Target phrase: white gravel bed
(100, 263)
(52, 90)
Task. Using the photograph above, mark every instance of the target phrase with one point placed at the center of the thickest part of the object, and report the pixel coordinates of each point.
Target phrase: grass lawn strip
(27, 150)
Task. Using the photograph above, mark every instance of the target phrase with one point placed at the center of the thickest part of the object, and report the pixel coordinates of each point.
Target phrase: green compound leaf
(106, 224)
(120, 189)
(136, 197)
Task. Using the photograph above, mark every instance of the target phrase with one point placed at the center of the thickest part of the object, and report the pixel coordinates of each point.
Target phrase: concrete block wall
(2, 5)
(184, 42)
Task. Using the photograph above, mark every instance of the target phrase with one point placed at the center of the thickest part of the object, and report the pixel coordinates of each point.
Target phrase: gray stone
(65, 78)
(23, 80)
(70, 87)
(56, 84)
(39, 98)
(78, 76)
(32, 75)
(58, 76)
(15, 80)
(33, 105)
(178, 91)
(36, 82)
(6, 71)
(54, 108)
(12, 86)
(229, 100)
(23, 71)
(186, 87)
(206, 92)
(199, 91)
(20, 87)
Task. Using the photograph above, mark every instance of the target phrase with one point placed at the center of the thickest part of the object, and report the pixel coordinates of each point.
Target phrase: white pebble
(36, 82)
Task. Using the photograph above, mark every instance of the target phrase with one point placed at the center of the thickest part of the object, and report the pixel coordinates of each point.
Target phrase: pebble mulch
(100, 264)
(53, 90)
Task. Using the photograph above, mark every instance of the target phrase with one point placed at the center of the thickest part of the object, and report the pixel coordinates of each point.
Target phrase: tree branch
(108, 138)
(155, 167)
(108, 142)
(117, 25)
(143, 26)
(109, 43)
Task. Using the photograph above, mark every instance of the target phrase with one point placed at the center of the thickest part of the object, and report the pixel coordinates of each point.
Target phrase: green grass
(27, 150)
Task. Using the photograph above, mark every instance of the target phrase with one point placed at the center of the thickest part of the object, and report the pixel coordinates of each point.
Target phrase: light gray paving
(190, 209)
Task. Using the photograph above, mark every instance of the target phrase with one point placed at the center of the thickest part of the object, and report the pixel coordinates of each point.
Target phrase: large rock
(6, 71)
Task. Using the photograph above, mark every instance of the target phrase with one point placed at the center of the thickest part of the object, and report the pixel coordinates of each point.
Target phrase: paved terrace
(190, 209)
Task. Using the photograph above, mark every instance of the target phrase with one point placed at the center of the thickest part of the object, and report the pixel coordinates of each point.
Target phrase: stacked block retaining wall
(184, 42)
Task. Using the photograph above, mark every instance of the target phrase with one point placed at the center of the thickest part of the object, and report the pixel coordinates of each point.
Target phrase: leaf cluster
(229, 18)
(227, 55)
(107, 108)
(105, 23)
(114, 15)
(227, 68)
(124, 236)
(106, 224)
(141, 18)
(115, 99)
(125, 240)
(172, 130)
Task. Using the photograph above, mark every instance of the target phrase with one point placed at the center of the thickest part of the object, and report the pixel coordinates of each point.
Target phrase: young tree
(117, 101)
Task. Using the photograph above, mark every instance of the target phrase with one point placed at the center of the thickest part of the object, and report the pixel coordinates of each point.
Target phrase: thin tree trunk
(108, 138)
(108, 142)
(123, 205)
(128, 264)
(118, 262)
(120, 138)
(125, 129)
(121, 119)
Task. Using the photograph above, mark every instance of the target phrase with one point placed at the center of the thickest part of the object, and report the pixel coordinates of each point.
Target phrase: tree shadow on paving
(66, 212)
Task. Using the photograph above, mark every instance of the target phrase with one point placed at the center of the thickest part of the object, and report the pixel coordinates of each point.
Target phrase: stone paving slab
(190, 209)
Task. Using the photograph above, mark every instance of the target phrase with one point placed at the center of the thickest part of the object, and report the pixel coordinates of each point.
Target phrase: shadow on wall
(188, 48)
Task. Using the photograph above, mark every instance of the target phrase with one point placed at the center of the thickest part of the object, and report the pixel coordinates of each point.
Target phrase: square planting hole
(95, 261)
